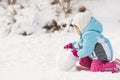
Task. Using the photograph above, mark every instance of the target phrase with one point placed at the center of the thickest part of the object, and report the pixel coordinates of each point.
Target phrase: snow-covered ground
(34, 57)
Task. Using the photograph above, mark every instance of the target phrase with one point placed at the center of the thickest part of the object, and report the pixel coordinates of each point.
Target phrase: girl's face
(77, 29)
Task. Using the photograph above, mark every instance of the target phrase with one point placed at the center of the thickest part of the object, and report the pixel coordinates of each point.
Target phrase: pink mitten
(74, 51)
(68, 46)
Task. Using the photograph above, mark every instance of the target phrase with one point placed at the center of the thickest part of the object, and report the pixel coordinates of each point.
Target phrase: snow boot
(79, 68)
(117, 61)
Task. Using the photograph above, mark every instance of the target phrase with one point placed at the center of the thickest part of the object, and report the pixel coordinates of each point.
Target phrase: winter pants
(98, 65)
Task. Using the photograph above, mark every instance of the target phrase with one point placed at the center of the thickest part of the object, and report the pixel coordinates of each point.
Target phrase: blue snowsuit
(93, 43)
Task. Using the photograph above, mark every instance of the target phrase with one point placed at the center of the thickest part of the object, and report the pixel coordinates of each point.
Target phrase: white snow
(36, 57)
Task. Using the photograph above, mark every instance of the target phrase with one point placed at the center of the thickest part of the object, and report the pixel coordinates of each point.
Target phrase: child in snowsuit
(94, 50)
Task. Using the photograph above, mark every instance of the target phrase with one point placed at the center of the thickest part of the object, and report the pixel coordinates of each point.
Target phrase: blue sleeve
(89, 41)
(73, 43)
(79, 45)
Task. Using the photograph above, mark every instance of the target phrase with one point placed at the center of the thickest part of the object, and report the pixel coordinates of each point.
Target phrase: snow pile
(65, 61)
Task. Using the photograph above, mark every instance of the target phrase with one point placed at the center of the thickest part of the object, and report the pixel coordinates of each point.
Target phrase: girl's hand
(75, 52)
(68, 46)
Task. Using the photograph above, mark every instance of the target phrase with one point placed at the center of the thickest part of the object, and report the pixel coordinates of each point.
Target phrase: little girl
(94, 50)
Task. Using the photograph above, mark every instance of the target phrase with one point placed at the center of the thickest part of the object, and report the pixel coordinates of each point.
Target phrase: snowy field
(34, 57)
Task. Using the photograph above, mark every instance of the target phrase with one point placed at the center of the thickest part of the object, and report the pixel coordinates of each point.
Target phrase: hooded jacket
(93, 43)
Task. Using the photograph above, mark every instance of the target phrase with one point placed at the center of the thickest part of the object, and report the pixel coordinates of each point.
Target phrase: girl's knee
(86, 62)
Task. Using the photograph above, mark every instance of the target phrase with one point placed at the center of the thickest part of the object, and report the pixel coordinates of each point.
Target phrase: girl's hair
(82, 9)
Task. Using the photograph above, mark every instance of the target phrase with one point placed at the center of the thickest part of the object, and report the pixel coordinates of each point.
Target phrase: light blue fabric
(89, 38)
(78, 44)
